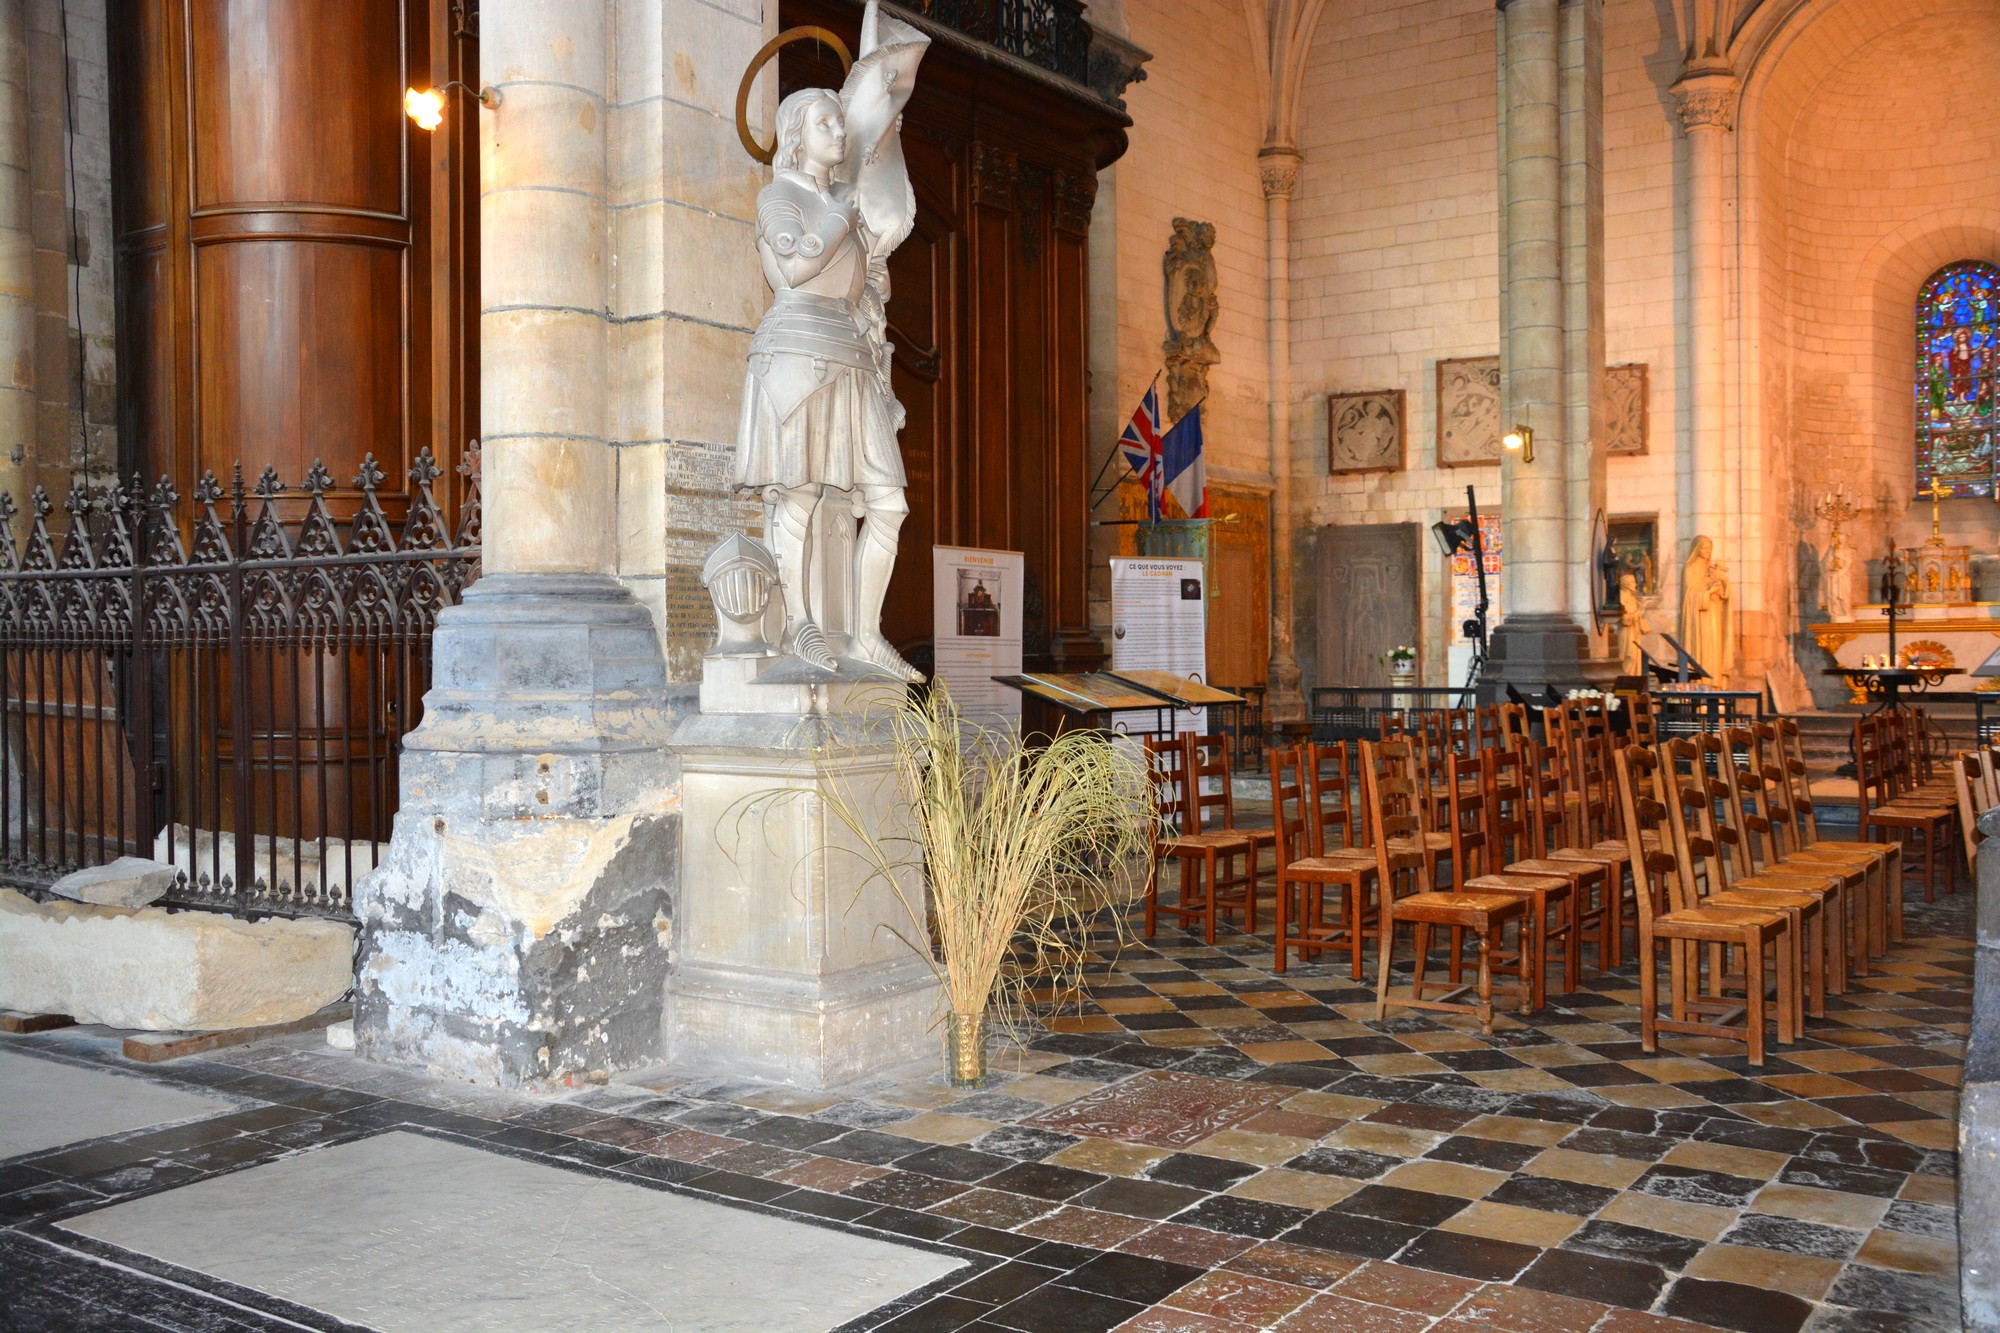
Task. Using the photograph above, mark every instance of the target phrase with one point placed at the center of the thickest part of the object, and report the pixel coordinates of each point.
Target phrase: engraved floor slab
(405, 1232)
(1166, 1110)
(44, 1104)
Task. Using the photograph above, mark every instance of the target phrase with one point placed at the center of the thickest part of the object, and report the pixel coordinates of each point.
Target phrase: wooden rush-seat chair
(1548, 847)
(1512, 721)
(1485, 821)
(1307, 869)
(1669, 913)
(1643, 724)
(1215, 811)
(1392, 800)
(1866, 864)
(1967, 775)
(1884, 809)
(1749, 840)
(1582, 837)
(1886, 924)
(1691, 798)
(1170, 766)
(1330, 783)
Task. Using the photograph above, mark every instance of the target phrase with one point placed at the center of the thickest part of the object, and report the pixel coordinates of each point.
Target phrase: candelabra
(1835, 508)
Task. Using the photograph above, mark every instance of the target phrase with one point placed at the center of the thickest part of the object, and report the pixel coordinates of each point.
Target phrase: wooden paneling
(1239, 604)
(295, 269)
(988, 312)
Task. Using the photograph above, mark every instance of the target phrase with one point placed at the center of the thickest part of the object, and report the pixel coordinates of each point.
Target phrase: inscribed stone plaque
(411, 1234)
(1468, 411)
(1625, 404)
(1364, 431)
(1367, 591)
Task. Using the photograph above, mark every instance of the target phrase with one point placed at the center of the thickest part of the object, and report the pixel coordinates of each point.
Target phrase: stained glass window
(1958, 320)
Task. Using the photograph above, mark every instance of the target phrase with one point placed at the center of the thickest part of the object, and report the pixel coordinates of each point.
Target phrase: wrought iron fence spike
(268, 485)
(318, 479)
(371, 474)
(39, 502)
(425, 470)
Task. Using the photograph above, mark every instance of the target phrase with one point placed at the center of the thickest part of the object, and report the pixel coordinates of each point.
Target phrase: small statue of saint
(819, 419)
(1705, 611)
(1834, 581)
(1634, 619)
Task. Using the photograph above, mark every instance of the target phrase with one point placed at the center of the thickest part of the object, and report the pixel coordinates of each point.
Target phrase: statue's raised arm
(873, 98)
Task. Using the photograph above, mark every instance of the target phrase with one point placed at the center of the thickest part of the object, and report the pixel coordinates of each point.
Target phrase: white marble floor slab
(405, 1232)
(44, 1104)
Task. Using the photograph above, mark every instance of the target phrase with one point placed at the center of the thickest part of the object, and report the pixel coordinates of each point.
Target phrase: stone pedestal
(1531, 652)
(792, 956)
(516, 932)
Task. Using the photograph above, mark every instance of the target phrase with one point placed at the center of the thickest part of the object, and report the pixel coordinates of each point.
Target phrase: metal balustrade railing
(229, 697)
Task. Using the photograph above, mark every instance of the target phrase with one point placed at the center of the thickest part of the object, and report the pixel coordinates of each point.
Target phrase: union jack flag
(1143, 450)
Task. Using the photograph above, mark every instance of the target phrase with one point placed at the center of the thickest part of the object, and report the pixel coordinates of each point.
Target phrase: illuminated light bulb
(426, 108)
(1521, 440)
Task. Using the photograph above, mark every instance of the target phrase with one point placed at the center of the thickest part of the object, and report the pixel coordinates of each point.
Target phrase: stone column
(1706, 99)
(1279, 168)
(517, 931)
(1539, 641)
(1583, 290)
(17, 256)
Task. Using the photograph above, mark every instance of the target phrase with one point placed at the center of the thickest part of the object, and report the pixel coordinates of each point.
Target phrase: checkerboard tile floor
(1207, 1146)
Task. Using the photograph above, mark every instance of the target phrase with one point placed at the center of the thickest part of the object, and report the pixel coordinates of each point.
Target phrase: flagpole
(1116, 452)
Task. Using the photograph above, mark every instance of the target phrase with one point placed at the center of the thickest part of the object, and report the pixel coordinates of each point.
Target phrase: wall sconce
(1521, 439)
(426, 106)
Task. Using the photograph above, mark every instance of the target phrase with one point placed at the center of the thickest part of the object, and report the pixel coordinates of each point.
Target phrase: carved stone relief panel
(1625, 406)
(1192, 304)
(1364, 431)
(1368, 599)
(1468, 411)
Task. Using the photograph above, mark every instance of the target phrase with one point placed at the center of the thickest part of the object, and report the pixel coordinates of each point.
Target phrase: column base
(1534, 652)
(793, 957)
(516, 933)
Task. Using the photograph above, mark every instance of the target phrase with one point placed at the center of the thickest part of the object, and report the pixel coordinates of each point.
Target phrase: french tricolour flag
(1186, 474)
(1142, 446)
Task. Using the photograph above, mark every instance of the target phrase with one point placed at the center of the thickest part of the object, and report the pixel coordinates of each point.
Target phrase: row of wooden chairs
(1544, 838)
(1900, 793)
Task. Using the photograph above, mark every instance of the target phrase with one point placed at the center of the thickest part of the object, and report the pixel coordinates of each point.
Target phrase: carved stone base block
(791, 961)
(516, 932)
(1531, 652)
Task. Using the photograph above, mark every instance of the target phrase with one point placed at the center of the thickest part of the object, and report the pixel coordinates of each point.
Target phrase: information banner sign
(976, 624)
(1159, 622)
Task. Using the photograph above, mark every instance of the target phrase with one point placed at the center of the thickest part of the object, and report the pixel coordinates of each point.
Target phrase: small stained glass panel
(1958, 321)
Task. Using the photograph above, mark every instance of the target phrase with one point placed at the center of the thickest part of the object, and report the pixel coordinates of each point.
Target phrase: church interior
(1176, 666)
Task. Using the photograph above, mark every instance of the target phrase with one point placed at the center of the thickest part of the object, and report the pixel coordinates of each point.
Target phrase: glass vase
(965, 1050)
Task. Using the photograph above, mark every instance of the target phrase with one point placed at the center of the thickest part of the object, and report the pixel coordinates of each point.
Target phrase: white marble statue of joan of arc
(818, 412)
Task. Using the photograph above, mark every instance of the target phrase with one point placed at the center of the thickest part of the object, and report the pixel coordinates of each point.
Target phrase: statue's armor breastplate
(812, 329)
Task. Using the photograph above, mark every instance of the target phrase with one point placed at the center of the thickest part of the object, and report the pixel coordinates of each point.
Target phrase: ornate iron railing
(232, 698)
(1049, 33)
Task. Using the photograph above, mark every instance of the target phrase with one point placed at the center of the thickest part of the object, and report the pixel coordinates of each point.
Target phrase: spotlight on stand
(1520, 440)
(1453, 537)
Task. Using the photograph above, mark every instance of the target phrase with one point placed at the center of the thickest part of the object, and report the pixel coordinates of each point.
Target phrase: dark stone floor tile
(1023, 1144)
(1352, 1233)
(840, 1207)
(1393, 1204)
(1479, 1101)
(1044, 1181)
(785, 1131)
(1735, 1091)
(1619, 1241)
(1851, 1150)
(1005, 1282)
(1922, 1219)
(870, 1148)
(1476, 1257)
(1618, 1143)
(906, 1189)
(41, 1200)
(1480, 1061)
(20, 1176)
(1868, 1288)
(988, 1240)
(1552, 1195)
(1843, 1319)
(942, 1314)
(1139, 1198)
(1415, 1115)
(953, 1163)
(1243, 1217)
(1053, 1309)
(923, 1226)
(1132, 1277)
(855, 1114)
(1349, 1162)
(996, 1106)
(1835, 1176)
(1733, 1305)
(1199, 1172)
(736, 1185)
(1688, 1185)
(1608, 1074)
(1493, 1154)
(1877, 1110)
(1790, 1236)
(1595, 1277)
(664, 1169)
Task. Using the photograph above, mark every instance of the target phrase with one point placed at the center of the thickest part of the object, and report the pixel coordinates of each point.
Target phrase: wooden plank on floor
(13, 1020)
(154, 1047)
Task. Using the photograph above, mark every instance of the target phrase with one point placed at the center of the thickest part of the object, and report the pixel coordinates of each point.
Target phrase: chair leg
(1753, 986)
(1485, 984)
(1278, 912)
(1388, 940)
(1422, 936)
(1789, 973)
(1649, 996)
(1208, 899)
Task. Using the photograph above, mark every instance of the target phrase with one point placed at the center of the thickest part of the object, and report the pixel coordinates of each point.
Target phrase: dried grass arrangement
(1020, 845)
